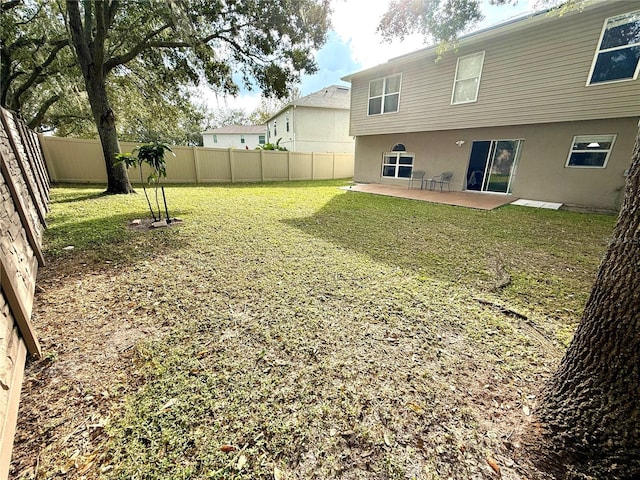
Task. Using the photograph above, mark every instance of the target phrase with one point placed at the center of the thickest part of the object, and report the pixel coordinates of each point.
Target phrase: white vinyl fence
(72, 160)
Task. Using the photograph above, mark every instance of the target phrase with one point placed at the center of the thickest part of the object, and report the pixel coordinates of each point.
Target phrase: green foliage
(36, 63)
(440, 21)
(272, 146)
(152, 155)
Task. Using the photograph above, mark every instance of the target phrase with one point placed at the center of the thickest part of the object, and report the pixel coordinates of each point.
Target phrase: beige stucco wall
(540, 173)
(535, 71)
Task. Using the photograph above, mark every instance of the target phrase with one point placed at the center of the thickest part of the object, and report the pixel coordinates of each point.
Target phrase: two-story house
(318, 122)
(235, 136)
(544, 107)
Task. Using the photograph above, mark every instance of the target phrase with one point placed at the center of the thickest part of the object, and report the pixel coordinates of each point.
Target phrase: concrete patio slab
(479, 200)
(537, 204)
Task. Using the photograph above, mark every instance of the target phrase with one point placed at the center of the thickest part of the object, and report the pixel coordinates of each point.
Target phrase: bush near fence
(72, 160)
(24, 195)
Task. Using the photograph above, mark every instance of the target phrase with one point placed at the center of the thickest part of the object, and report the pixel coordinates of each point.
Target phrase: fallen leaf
(168, 405)
(493, 464)
(227, 448)
(366, 453)
(416, 408)
(387, 440)
(277, 474)
(242, 461)
(526, 410)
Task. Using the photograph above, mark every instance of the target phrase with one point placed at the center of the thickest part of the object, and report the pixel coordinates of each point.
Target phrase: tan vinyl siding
(532, 74)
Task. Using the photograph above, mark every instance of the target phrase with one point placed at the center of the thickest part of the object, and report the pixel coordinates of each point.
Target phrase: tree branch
(135, 51)
(101, 33)
(37, 71)
(35, 121)
(83, 53)
(6, 6)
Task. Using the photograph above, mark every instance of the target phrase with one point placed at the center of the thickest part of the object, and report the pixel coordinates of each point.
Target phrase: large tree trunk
(117, 178)
(88, 40)
(591, 410)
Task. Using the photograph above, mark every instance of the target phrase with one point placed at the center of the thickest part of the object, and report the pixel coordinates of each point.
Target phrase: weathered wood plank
(10, 414)
(42, 164)
(21, 313)
(31, 159)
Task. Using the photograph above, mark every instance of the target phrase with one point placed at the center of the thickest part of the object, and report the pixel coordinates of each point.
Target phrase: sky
(353, 45)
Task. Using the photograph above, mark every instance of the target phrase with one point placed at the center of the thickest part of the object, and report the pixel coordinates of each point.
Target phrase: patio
(481, 201)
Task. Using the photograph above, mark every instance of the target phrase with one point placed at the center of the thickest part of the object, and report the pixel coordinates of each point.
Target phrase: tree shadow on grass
(88, 194)
(106, 241)
(432, 241)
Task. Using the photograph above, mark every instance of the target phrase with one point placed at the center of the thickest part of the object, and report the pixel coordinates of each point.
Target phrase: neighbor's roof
(514, 24)
(334, 96)
(242, 129)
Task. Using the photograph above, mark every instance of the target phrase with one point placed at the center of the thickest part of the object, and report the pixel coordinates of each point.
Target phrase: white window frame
(242, 139)
(457, 80)
(621, 47)
(397, 164)
(594, 138)
(384, 95)
(215, 138)
(261, 139)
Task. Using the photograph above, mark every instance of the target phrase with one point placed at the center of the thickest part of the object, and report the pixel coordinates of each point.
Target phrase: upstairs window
(384, 95)
(467, 80)
(618, 55)
(241, 138)
(590, 151)
(261, 139)
(397, 164)
(215, 138)
(287, 122)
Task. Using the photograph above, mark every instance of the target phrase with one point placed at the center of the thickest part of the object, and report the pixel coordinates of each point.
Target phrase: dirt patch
(88, 332)
(146, 224)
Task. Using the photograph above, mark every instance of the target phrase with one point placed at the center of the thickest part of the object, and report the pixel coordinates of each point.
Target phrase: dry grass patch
(297, 331)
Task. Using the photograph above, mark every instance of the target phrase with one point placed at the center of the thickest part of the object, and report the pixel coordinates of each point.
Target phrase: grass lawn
(297, 331)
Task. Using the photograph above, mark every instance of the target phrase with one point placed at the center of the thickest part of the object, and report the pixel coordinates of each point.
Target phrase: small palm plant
(153, 155)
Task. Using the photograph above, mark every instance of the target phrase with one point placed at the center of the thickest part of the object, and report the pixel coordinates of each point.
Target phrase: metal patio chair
(443, 179)
(417, 176)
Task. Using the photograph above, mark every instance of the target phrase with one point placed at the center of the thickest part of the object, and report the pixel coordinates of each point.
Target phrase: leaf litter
(295, 331)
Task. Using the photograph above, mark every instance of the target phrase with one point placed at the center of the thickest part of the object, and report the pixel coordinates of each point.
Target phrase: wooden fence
(73, 160)
(24, 197)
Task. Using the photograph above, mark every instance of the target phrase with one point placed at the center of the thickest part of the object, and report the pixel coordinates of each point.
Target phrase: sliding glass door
(492, 165)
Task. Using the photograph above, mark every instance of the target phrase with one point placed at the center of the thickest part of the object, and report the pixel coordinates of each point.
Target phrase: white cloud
(356, 21)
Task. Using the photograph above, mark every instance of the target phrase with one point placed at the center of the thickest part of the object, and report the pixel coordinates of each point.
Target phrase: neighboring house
(544, 108)
(318, 122)
(235, 136)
